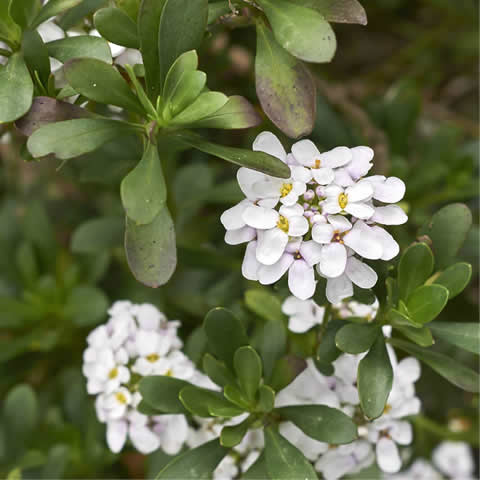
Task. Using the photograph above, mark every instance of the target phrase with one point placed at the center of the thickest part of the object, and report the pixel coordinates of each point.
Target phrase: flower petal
(322, 232)
(359, 210)
(391, 190)
(343, 178)
(268, 187)
(388, 458)
(338, 289)
(271, 245)
(116, 435)
(250, 263)
(232, 218)
(337, 157)
(301, 174)
(246, 177)
(363, 241)
(389, 246)
(324, 175)
(267, 142)
(241, 235)
(301, 279)
(260, 217)
(401, 432)
(311, 252)
(333, 260)
(291, 210)
(362, 190)
(331, 206)
(360, 274)
(339, 223)
(297, 226)
(143, 439)
(389, 215)
(268, 274)
(361, 162)
(305, 152)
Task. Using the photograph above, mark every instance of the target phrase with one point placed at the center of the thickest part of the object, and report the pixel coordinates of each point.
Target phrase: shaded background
(406, 84)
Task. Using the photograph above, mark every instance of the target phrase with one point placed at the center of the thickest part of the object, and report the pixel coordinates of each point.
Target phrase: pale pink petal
(360, 273)
(301, 279)
(268, 274)
(271, 245)
(333, 260)
(267, 142)
(260, 217)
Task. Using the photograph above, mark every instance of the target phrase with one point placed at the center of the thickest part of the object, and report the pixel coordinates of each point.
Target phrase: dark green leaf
(161, 392)
(356, 338)
(264, 304)
(421, 336)
(284, 461)
(231, 436)
(206, 104)
(72, 138)
(301, 31)
(26, 263)
(258, 470)
(225, 334)
(151, 249)
(65, 49)
(198, 463)
(246, 158)
(51, 9)
(57, 461)
(322, 423)
(117, 27)
(98, 235)
(266, 398)
(20, 412)
(248, 368)
(217, 371)
(207, 403)
(455, 278)
(463, 335)
(233, 393)
(327, 351)
(217, 9)
(102, 83)
(340, 11)
(86, 305)
(286, 370)
(426, 302)
(415, 266)
(23, 11)
(78, 13)
(285, 86)
(456, 373)
(448, 229)
(35, 54)
(375, 378)
(187, 92)
(16, 89)
(9, 30)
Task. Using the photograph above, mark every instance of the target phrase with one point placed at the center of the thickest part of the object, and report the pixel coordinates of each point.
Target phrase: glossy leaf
(264, 304)
(248, 368)
(67, 48)
(322, 423)
(375, 378)
(455, 278)
(72, 138)
(356, 338)
(285, 86)
(151, 249)
(16, 89)
(143, 190)
(231, 436)
(225, 334)
(448, 229)
(207, 403)
(456, 373)
(182, 27)
(270, 341)
(415, 266)
(102, 83)
(284, 461)
(258, 470)
(24, 11)
(217, 371)
(341, 11)
(426, 302)
(35, 54)
(421, 336)
(188, 91)
(206, 104)
(117, 27)
(301, 31)
(327, 351)
(285, 371)
(51, 9)
(162, 393)
(266, 398)
(246, 158)
(187, 62)
(461, 334)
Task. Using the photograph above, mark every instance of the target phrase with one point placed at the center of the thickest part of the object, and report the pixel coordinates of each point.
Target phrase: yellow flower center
(153, 357)
(113, 373)
(121, 398)
(342, 200)
(169, 373)
(317, 163)
(286, 189)
(387, 408)
(282, 224)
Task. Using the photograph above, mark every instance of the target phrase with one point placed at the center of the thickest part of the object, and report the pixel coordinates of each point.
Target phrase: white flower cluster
(325, 216)
(137, 341)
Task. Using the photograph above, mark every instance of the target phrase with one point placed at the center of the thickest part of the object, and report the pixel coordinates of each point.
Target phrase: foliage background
(406, 84)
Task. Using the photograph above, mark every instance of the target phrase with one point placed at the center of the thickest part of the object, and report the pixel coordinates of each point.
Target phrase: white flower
(172, 431)
(387, 190)
(226, 470)
(358, 167)
(310, 447)
(114, 405)
(455, 460)
(303, 314)
(356, 309)
(419, 470)
(352, 200)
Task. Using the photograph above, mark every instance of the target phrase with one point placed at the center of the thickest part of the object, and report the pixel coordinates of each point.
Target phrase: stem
(5, 53)
(433, 427)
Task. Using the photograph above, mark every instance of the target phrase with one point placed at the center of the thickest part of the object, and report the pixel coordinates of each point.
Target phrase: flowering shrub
(334, 335)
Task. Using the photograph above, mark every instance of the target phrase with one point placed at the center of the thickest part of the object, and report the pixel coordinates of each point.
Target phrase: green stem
(5, 53)
(438, 430)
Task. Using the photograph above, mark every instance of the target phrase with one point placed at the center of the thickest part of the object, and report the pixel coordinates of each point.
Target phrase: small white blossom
(455, 460)
(303, 314)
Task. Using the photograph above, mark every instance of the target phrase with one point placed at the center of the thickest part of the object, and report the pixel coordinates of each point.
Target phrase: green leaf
(182, 27)
(327, 351)
(285, 371)
(72, 138)
(68, 48)
(198, 463)
(264, 304)
(258, 470)
(245, 158)
(456, 373)
(461, 334)
(217, 9)
(102, 83)
(285, 86)
(98, 235)
(217, 371)
(415, 266)
(341, 11)
(186, 63)
(148, 26)
(162, 393)
(23, 11)
(225, 333)
(52, 9)
(77, 14)
(284, 461)
(86, 305)
(16, 89)
(231, 436)
(26, 262)
(322, 423)
(20, 413)
(426, 302)
(270, 341)
(9, 30)
(375, 378)
(57, 461)
(238, 112)
(143, 190)
(206, 104)
(301, 31)
(46, 110)
(448, 229)
(207, 403)
(234, 394)
(15, 474)
(187, 92)
(35, 54)
(266, 399)
(151, 249)
(356, 338)
(248, 368)
(455, 278)
(421, 336)
(117, 27)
